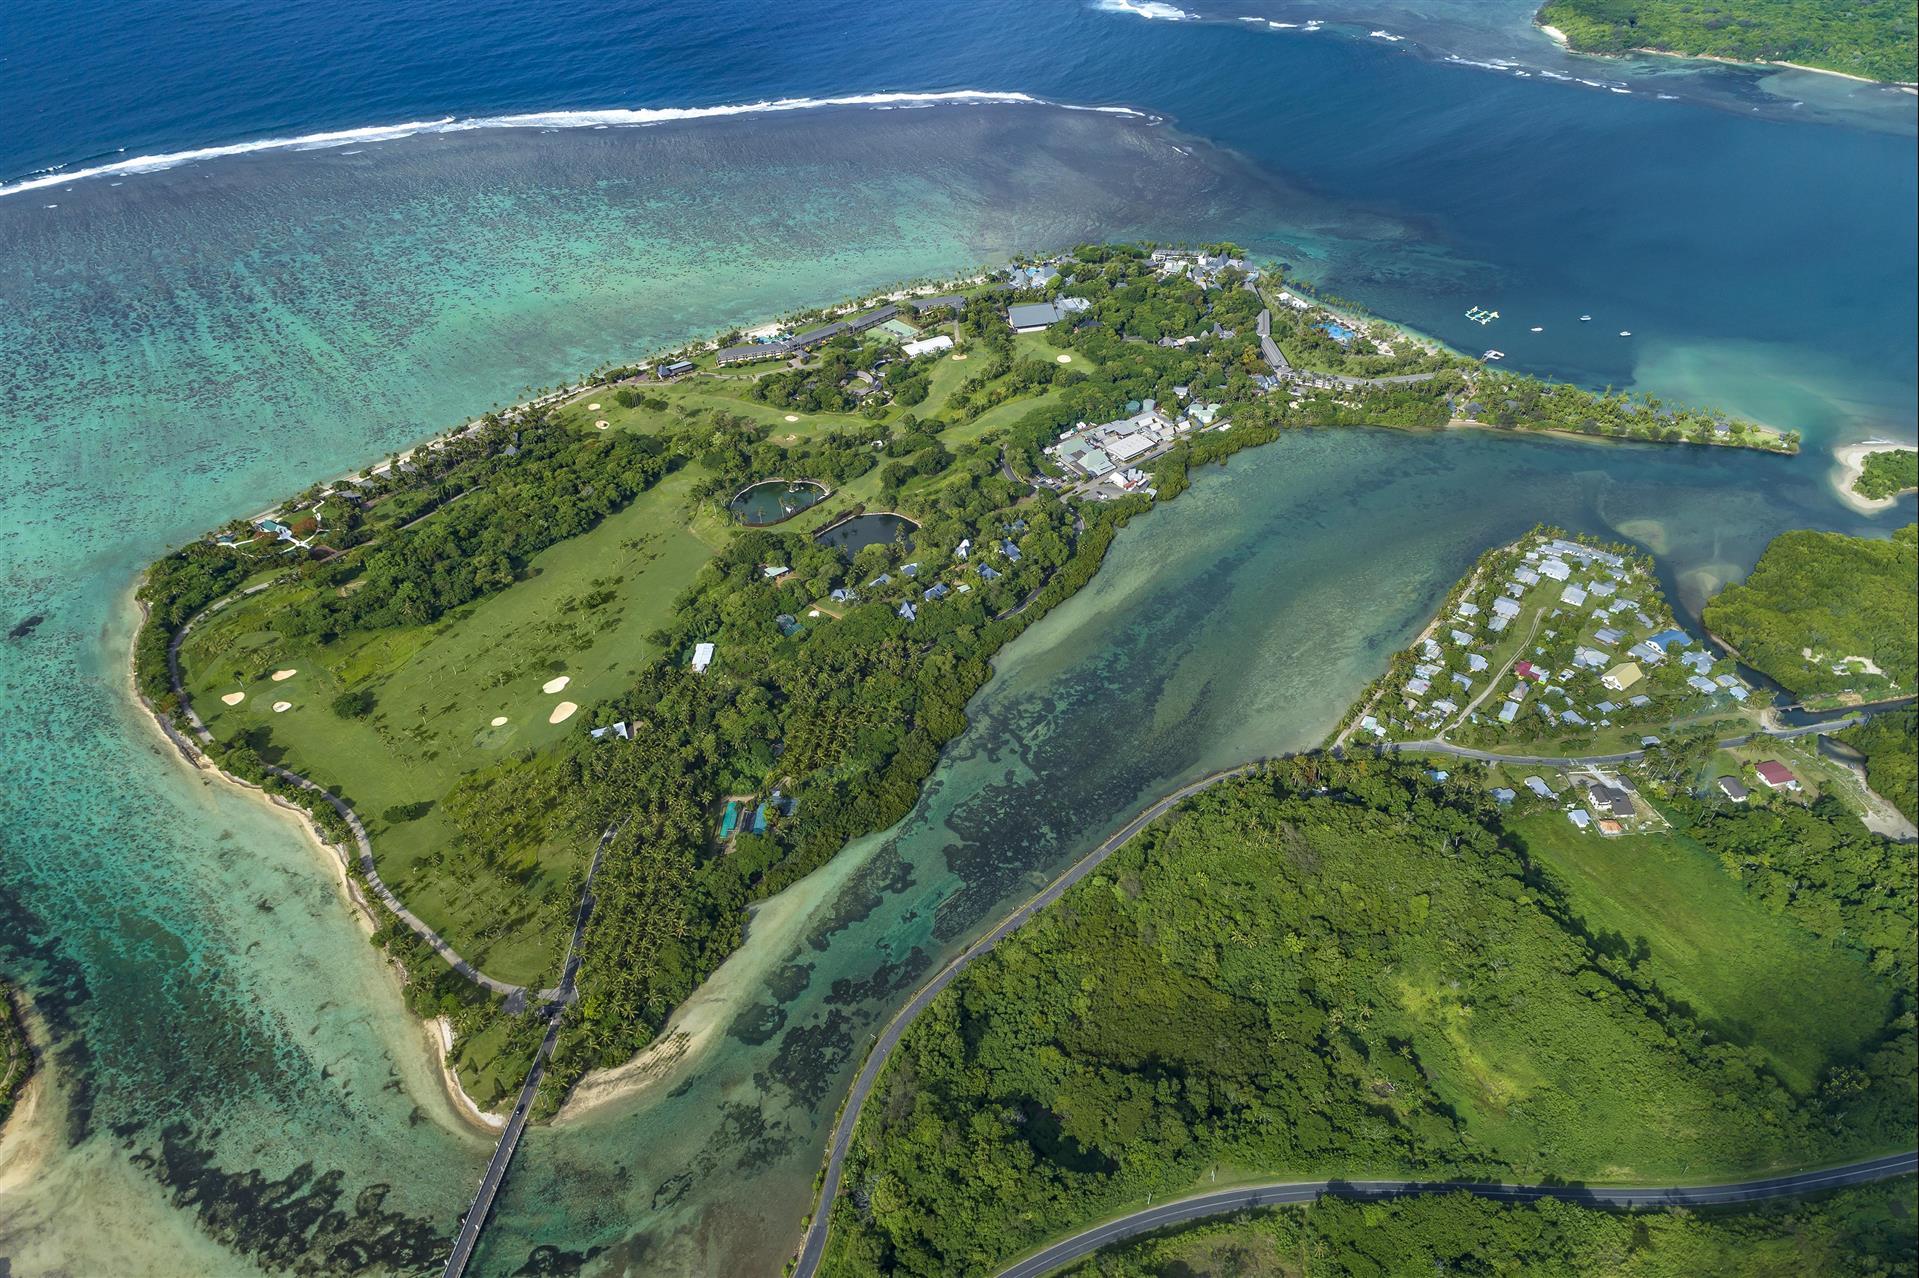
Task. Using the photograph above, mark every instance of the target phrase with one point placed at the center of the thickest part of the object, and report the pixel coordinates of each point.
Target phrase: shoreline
(1852, 465)
(20, 1153)
(1564, 41)
(335, 858)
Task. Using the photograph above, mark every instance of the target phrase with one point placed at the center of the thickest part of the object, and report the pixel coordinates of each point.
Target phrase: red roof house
(1777, 776)
(1527, 670)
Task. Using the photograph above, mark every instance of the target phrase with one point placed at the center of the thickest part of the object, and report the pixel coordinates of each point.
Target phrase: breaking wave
(613, 117)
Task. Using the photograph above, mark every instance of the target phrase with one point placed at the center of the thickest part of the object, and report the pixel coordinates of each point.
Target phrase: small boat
(1625, 332)
(1538, 329)
(1584, 319)
(1490, 356)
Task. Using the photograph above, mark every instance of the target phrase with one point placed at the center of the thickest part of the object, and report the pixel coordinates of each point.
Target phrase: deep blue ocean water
(183, 344)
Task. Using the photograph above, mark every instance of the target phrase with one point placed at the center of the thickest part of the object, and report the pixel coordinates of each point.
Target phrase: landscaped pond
(775, 500)
(850, 536)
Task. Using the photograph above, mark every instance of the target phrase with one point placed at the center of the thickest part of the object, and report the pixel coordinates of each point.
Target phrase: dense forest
(1877, 39)
(1828, 613)
(1867, 1231)
(1885, 473)
(1890, 743)
(1344, 968)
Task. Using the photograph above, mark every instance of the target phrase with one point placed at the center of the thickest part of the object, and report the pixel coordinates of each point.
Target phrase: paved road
(495, 1175)
(813, 1247)
(1227, 1201)
(1556, 760)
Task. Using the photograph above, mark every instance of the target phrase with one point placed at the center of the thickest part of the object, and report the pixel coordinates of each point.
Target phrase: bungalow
(1506, 607)
(702, 657)
(1607, 635)
(1475, 662)
(1011, 551)
(1622, 676)
(1461, 637)
(1580, 817)
(907, 610)
(1508, 712)
(1650, 653)
(1610, 828)
(1525, 576)
(1572, 595)
(1418, 687)
(1539, 787)
(1702, 684)
(679, 367)
(1733, 788)
(1777, 776)
(1502, 795)
(936, 592)
(1556, 569)
(1527, 670)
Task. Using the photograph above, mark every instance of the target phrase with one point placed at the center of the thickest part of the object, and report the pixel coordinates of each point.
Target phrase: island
(663, 642)
(1410, 973)
(1874, 40)
(1876, 473)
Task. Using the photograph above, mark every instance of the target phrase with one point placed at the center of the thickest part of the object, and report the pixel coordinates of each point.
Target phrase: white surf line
(613, 116)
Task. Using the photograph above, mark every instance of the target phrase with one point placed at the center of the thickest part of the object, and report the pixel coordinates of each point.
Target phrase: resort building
(913, 350)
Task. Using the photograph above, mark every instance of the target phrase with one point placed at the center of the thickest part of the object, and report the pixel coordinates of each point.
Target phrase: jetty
(555, 1012)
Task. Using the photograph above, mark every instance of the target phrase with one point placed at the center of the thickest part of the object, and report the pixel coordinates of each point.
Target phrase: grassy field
(1753, 975)
(583, 612)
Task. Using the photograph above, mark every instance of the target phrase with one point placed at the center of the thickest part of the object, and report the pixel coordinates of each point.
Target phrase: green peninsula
(1830, 617)
(715, 615)
(1869, 39)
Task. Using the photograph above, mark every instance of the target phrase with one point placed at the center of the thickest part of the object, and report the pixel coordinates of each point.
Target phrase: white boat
(1538, 329)
(1490, 356)
(1585, 319)
(1625, 332)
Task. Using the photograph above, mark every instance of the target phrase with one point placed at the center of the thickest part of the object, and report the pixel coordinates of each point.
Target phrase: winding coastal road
(1245, 1198)
(1845, 720)
(813, 1246)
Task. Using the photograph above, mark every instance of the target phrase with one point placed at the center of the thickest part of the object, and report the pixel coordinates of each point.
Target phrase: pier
(495, 1176)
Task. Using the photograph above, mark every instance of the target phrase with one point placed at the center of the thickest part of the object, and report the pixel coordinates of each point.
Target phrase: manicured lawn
(583, 611)
(1751, 973)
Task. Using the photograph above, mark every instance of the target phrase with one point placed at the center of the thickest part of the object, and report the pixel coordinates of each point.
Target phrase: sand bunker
(552, 686)
(1063, 359)
(562, 712)
(792, 417)
(234, 698)
(281, 707)
(959, 357)
(499, 721)
(592, 408)
(602, 425)
(281, 676)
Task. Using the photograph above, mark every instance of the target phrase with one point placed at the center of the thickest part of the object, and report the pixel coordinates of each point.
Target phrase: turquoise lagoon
(231, 1081)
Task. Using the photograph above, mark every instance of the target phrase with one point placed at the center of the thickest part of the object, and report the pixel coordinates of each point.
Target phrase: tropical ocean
(230, 1083)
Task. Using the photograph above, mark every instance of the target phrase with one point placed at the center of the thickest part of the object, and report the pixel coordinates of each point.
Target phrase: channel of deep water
(232, 1082)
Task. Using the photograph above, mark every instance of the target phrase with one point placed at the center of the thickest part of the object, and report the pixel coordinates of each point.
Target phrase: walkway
(495, 1175)
(515, 995)
(1228, 1201)
(813, 1246)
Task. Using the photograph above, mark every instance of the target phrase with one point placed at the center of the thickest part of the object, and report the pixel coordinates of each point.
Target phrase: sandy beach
(1557, 36)
(438, 1043)
(1852, 464)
